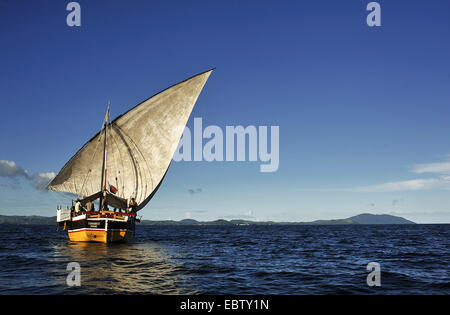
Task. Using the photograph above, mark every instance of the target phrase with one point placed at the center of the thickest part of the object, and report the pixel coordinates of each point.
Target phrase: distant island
(364, 218)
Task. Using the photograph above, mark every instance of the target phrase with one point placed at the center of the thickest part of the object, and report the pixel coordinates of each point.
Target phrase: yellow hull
(103, 236)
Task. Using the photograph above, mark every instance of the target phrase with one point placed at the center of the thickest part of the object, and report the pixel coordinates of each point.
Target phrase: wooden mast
(103, 182)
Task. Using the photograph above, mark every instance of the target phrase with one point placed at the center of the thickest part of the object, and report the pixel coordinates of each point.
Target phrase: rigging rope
(90, 170)
(122, 190)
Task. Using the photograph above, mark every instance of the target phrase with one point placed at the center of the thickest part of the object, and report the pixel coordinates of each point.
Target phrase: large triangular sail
(141, 144)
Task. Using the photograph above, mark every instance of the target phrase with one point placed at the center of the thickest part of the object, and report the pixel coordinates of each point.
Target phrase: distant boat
(124, 164)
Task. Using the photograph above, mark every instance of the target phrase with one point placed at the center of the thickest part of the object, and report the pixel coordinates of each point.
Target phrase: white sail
(140, 146)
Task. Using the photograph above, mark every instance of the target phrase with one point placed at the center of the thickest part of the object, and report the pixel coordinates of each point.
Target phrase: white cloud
(415, 184)
(245, 215)
(422, 213)
(11, 170)
(194, 191)
(441, 181)
(437, 168)
(41, 180)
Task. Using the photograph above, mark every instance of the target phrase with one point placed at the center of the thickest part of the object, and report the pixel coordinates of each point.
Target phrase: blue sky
(363, 112)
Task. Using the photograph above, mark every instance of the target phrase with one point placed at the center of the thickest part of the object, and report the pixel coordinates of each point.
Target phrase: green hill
(33, 219)
(364, 218)
(367, 218)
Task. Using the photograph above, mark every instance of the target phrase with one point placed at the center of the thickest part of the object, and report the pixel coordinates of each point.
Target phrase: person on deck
(133, 206)
(104, 205)
(78, 207)
(89, 206)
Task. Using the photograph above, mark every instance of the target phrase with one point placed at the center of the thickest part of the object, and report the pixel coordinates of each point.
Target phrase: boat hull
(101, 227)
(103, 236)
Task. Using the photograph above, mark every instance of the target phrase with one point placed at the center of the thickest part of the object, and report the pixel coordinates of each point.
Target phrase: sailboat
(123, 165)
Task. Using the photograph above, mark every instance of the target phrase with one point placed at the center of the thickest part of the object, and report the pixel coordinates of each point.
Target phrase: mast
(103, 182)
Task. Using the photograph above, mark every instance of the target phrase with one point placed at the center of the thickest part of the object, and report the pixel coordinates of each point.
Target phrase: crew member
(89, 206)
(133, 205)
(78, 207)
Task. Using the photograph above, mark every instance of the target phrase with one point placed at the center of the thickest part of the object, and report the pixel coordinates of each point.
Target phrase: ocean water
(414, 259)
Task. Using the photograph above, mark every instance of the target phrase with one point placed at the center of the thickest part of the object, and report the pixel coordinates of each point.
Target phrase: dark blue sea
(242, 260)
